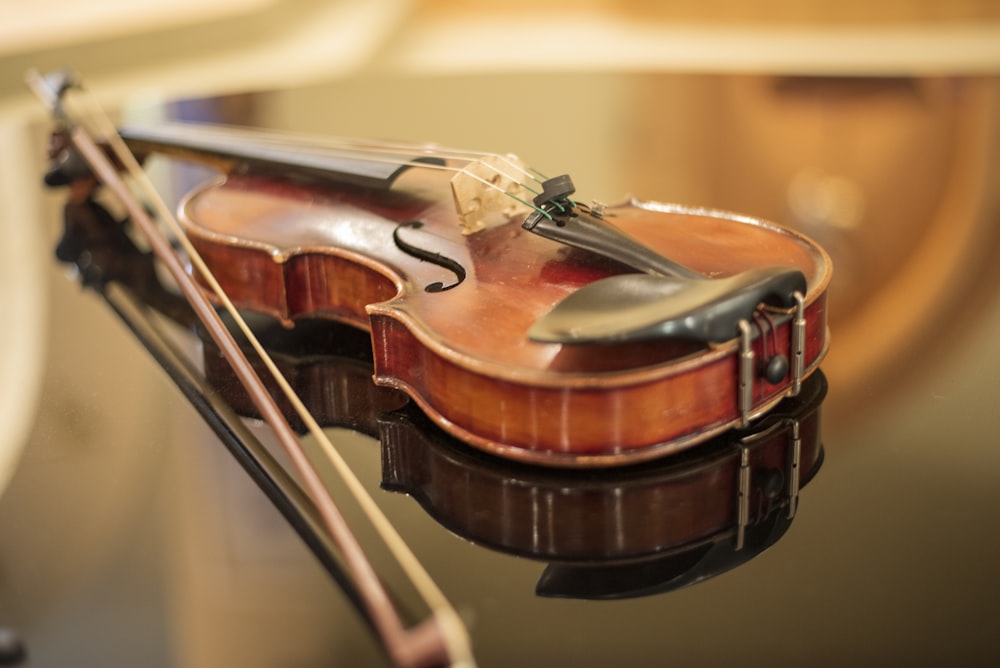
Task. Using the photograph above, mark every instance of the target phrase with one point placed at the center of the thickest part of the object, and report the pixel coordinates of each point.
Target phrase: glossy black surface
(129, 537)
(890, 558)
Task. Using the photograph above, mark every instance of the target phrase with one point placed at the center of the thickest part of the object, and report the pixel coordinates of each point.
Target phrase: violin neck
(247, 151)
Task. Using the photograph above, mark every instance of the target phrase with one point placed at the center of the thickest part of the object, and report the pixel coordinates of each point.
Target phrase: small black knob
(556, 189)
(776, 369)
(773, 481)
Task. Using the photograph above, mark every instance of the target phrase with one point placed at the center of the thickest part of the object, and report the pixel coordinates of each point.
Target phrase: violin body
(449, 311)
(545, 332)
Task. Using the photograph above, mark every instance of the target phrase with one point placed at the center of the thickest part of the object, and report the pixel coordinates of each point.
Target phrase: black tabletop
(131, 550)
(130, 536)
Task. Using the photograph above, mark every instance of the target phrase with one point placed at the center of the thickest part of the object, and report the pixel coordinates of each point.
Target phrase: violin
(541, 330)
(519, 320)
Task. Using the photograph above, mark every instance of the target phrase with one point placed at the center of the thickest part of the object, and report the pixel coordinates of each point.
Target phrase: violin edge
(587, 428)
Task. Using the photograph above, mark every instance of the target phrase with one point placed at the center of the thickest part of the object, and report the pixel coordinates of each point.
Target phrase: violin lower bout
(577, 420)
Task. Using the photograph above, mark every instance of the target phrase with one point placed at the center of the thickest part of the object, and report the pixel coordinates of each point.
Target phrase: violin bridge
(488, 192)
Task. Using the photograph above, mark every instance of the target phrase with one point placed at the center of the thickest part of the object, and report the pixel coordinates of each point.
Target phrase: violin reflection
(611, 533)
(616, 533)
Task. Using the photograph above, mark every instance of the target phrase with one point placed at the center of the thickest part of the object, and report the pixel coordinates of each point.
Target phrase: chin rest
(634, 307)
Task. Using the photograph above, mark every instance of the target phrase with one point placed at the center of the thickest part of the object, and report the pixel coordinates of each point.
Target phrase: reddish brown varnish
(296, 251)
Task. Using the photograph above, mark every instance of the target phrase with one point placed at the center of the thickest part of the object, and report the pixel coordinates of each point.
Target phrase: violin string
(401, 153)
(409, 161)
(403, 156)
(453, 630)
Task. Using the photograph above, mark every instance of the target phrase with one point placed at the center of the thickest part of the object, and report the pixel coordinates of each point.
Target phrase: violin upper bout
(488, 192)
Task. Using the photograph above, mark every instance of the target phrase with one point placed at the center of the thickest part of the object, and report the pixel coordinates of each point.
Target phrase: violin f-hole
(429, 256)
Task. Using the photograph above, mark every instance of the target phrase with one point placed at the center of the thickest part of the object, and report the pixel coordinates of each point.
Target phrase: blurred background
(872, 127)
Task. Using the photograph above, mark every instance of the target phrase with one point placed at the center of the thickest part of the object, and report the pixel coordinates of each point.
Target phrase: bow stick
(439, 639)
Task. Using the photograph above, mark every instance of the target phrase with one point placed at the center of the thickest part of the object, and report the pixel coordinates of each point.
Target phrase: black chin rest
(633, 307)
